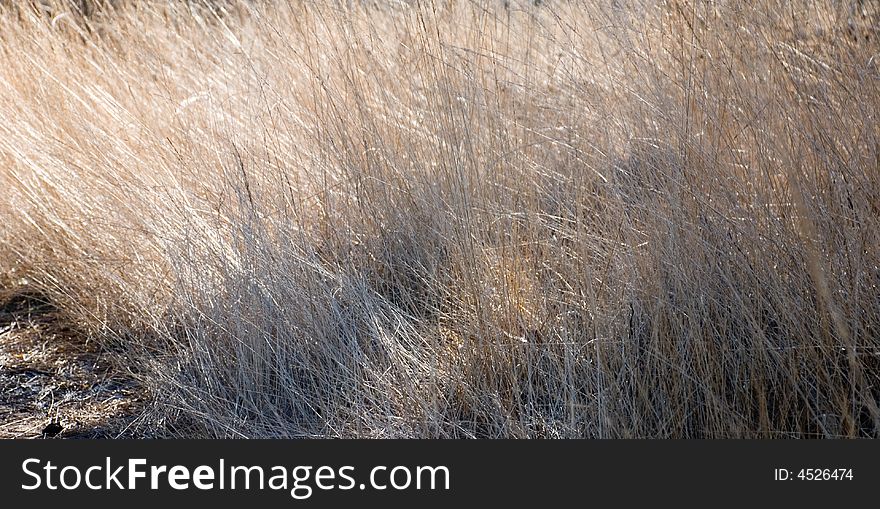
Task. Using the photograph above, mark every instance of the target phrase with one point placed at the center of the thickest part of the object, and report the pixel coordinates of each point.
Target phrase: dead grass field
(441, 219)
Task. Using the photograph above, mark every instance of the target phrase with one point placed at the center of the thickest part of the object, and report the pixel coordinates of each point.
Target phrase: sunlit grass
(457, 219)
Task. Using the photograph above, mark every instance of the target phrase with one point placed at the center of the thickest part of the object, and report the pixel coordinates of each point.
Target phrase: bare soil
(54, 384)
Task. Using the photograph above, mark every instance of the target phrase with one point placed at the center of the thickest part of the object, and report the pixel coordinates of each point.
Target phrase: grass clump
(457, 219)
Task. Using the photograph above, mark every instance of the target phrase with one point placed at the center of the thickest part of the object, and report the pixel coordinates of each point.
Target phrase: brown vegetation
(456, 219)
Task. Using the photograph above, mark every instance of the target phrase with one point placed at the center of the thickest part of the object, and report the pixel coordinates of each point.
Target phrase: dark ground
(54, 385)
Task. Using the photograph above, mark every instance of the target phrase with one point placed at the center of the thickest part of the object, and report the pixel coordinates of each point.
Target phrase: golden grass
(458, 219)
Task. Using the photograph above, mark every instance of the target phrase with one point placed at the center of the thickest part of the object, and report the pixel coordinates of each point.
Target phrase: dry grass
(460, 219)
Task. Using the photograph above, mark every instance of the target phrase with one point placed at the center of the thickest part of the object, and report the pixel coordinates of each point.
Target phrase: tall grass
(457, 219)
